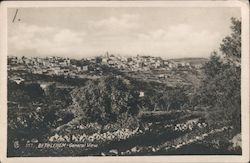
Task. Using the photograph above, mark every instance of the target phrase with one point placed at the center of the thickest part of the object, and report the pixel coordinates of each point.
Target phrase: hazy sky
(89, 31)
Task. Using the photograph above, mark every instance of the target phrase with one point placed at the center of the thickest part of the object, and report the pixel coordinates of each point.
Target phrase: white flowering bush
(121, 134)
(189, 125)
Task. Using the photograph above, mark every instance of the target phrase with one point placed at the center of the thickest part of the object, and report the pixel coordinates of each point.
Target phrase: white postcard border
(146, 159)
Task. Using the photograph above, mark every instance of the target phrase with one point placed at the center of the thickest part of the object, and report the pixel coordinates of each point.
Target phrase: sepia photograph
(105, 79)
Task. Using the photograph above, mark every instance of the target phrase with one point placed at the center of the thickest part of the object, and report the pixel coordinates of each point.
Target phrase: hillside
(190, 60)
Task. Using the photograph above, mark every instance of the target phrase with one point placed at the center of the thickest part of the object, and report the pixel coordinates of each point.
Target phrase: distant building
(141, 94)
(84, 68)
(104, 60)
(37, 71)
(79, 68)
(45, 63)
(67, 61)
(161, 76)
(197, 65)
(107, 55)
(111, 62)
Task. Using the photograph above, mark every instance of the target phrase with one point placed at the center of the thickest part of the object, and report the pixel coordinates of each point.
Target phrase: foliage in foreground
(221, 88)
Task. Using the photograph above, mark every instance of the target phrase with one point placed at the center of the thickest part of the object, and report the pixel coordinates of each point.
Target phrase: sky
(90, 31)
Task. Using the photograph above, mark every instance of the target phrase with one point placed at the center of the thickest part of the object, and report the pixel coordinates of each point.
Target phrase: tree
(36, 113)
(220, 89)
(231, 45)
(105, 100)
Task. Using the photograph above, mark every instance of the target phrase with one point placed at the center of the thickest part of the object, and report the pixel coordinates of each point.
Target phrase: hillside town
(148, 66)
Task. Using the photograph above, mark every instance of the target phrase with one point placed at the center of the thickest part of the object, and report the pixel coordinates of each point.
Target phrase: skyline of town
(79, 68)
(102, 54)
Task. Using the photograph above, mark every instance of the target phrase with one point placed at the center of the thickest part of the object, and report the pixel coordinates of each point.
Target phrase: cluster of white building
(144, 63)
(136, 63)
(48, 65)
(63, 66)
